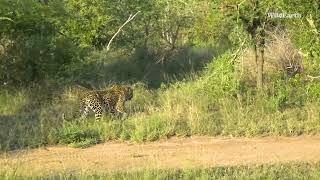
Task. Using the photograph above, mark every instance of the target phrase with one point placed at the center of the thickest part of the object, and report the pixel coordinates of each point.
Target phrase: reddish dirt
(172, 153)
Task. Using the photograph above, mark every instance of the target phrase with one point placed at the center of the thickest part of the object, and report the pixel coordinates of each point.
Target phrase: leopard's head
(127, 90)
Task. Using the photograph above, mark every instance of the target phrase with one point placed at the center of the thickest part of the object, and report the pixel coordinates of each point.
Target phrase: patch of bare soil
(173, 153)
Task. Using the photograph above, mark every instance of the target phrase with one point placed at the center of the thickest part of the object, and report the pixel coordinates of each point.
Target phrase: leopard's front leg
(120, 107)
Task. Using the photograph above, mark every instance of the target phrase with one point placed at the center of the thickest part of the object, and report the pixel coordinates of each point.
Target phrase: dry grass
(281, 56)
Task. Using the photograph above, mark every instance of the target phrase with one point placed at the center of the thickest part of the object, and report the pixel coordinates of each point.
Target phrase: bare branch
(131, 17)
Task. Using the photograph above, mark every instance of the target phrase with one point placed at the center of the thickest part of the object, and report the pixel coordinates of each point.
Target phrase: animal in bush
(111, 100)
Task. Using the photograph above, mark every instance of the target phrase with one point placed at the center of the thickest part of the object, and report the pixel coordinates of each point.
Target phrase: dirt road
(172, 153)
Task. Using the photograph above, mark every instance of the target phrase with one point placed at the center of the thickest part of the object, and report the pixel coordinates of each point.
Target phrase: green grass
(276, 171)
(213, 103)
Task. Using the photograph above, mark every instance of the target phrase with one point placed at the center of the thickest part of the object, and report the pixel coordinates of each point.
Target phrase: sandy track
(172, 153)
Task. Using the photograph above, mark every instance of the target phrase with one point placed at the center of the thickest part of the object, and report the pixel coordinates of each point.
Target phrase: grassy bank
(215, 102)
(277, 171)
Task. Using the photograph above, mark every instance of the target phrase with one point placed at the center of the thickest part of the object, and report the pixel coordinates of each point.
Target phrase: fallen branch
(128, 20)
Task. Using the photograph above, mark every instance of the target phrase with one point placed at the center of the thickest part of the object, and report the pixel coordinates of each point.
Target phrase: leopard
(110, 100)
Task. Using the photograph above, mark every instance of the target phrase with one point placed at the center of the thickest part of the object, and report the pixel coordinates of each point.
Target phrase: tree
(252, 16)
(32, 41)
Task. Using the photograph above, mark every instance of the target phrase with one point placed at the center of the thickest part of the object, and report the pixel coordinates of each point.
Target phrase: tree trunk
(260, 64)
(256, 58)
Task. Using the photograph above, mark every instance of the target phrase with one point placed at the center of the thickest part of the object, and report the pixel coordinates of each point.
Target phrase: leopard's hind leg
(84, 110)
(97, 109)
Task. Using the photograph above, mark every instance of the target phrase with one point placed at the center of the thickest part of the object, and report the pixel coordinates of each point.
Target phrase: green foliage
(54, 40)
(305, 30)
(211, 29)
(151, 128)
(220, 78)
(33, 48)
(313, 90)
(82, 135)
(85, 19)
